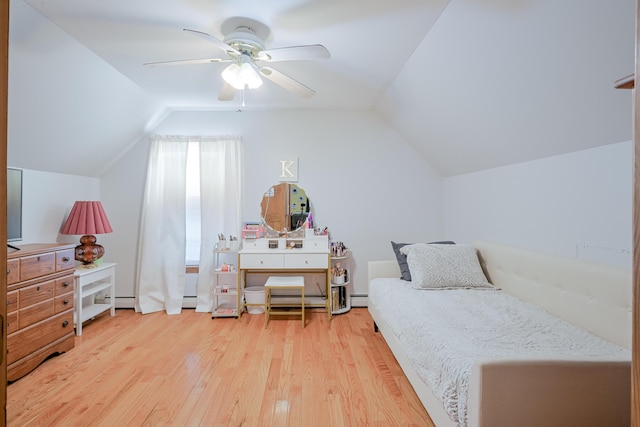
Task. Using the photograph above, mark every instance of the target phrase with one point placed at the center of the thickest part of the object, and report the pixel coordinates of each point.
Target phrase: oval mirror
(285, 208)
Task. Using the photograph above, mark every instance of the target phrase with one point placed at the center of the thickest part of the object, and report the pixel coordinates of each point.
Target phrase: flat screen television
(14, 204)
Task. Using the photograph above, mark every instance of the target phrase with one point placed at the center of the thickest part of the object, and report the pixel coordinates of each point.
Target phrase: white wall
(577, 204)
(47, 199)
(69, 110)
(365, 183)
(489, 87)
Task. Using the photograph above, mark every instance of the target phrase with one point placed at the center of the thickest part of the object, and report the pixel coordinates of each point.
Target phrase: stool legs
(268, 304)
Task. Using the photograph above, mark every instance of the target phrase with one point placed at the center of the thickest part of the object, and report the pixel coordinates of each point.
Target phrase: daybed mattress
(444, 332)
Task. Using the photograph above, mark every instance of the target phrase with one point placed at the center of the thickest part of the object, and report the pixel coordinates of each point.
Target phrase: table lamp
(87, 219)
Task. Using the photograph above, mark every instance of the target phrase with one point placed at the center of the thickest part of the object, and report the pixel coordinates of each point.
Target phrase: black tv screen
(14, 204)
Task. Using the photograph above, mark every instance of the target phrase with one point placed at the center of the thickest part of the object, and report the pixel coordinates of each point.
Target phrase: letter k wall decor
(288, 170)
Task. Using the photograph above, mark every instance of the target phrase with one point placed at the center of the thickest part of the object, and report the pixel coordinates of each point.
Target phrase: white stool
(282, 282)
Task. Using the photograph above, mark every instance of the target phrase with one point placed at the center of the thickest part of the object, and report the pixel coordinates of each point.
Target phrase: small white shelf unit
(88, 285)
(224, 290)
(340, 293)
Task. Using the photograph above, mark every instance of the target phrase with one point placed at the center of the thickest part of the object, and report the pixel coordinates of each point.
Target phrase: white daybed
(532, 389)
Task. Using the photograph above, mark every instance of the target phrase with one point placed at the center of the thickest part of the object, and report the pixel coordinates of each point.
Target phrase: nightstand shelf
(94, 288)
(93, 310)
(89, 283)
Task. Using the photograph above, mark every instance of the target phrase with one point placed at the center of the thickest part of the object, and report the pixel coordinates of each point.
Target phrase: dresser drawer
(63, 302)
(30, 339)
(306, 261)
(64, 285)
(12, 301)
(35, 313)
(35, 293)
(12, 322)
(37, 265)
(261, 261)
(65, 260)
(13, 271)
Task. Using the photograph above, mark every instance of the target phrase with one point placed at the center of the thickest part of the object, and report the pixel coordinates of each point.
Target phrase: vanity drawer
(261, 261)
(306, 261)
(37, 265)
(35, 293)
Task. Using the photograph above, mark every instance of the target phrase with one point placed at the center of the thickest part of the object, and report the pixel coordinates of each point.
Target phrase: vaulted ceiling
(470, 84)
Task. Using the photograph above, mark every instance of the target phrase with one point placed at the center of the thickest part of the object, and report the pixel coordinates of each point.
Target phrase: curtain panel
(161, 260)
(221, 195)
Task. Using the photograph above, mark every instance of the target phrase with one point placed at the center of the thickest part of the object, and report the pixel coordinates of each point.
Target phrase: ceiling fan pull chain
(242, 97)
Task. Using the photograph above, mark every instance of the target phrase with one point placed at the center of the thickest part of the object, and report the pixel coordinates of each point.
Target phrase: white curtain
(162, 265)
(161, 259)
(221, 187)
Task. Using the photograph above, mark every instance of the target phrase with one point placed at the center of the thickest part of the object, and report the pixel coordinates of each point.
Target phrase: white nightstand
(88, 284)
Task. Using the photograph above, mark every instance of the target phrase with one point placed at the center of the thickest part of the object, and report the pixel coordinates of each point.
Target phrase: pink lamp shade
(87, 219)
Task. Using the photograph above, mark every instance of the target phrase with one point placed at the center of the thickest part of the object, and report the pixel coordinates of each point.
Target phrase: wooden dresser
(39, 305)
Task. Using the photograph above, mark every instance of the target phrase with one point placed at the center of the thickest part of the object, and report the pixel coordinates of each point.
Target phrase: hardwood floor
(190, 370)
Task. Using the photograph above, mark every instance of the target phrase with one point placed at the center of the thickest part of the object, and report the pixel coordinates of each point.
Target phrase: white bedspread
(445, 331)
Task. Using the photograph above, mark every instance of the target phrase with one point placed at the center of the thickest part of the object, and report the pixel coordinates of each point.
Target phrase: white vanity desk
(312, 257)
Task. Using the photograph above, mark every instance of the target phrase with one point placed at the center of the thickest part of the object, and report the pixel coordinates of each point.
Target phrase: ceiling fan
(245, 51)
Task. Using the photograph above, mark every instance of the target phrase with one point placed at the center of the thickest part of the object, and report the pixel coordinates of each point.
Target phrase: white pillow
(444, 266)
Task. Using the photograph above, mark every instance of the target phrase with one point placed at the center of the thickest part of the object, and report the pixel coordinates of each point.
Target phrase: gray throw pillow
(445, 267)
(402, 258)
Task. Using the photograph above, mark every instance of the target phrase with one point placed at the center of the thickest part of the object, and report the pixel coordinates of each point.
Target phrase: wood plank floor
(190, 370)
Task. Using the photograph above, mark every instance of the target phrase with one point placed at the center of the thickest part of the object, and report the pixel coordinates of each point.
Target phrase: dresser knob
(66, 284)
(65, 323)
(66, 302)
(37, 288)
(8, 271)
(65, 259)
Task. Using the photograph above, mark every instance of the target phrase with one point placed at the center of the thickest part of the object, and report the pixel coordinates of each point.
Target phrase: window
(192, 223)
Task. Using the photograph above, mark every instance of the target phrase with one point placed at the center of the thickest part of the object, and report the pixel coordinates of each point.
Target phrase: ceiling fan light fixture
(240, 75)
(250, 76)
(231, 75)
(244, 45)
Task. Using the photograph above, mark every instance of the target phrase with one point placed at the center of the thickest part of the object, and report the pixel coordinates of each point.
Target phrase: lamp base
(87, 252)
(88, 266)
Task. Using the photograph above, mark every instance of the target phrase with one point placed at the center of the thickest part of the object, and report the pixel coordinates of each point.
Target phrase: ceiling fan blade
(186, 62)
(287, 82)
(294, 53)
(219, 43)
(227, 93)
